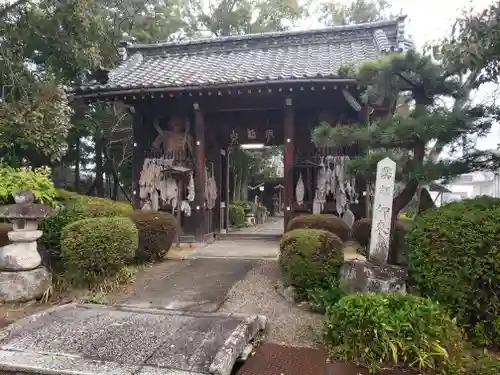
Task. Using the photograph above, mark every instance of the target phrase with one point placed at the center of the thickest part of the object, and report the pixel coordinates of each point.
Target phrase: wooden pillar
(216, 212)
(227, 155)
(140, 140)
(199, 175)
(218, 215)
(289, 130)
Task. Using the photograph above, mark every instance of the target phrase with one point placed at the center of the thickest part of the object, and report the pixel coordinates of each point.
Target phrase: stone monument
(22, 278)
(375, 275)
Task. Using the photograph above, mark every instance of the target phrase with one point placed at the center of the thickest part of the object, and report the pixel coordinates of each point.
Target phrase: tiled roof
(266, 58)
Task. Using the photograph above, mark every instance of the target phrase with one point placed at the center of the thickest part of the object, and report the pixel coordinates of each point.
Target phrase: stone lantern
(22, 277)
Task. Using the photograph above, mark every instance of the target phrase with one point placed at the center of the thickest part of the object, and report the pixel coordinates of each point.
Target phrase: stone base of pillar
(24, 286)
(363, 276)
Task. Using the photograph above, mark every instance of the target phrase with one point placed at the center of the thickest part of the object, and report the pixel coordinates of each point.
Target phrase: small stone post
(22, 278)
(382, 211)
(375, 275)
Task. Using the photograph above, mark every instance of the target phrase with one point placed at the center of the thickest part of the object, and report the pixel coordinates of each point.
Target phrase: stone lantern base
(23, 286)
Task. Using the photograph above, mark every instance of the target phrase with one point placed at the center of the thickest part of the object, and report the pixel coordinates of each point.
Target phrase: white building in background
(475, 184)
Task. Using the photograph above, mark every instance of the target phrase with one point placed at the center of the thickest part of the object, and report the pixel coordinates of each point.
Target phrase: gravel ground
(287, 324)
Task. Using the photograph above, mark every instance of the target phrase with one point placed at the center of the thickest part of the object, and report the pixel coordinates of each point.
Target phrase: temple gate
(193, 101)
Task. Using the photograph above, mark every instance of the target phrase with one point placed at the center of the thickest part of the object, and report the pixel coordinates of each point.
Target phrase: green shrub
(52, 228)
(236, 215)
(93, 249)
(309, 258)
(37, 180)
(454, 258)
(480, 364)
(157, 232)
(388, 330)
(78, 207)
(65, 196)
(330, 223)
(100, 207)
(246, 205)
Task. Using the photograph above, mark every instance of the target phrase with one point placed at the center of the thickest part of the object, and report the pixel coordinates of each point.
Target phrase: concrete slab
(195, 285)
(237, 249)
(97, 339)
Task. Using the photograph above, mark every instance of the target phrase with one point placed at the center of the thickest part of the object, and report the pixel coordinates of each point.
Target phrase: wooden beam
(243, 103)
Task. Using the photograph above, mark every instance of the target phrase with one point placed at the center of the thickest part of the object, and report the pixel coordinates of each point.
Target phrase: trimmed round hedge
(330, 223)
(308, 258)
(93, 249)
(454, 258)
(390, 330)
(100, 207)
(157, 232)
(77, 207)
(66, 195)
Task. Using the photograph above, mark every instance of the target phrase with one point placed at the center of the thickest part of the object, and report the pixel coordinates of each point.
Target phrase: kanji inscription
(382, 211)
(234, 137)
(269, 135)
(252, 134)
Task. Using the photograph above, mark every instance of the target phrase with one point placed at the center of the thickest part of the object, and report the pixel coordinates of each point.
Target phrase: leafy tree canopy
(45, 45)
(405, 138)
(474, 45)
(234, 17)
(335, 12)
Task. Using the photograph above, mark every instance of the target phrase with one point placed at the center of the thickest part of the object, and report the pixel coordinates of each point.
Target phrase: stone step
(124, 340)
(235, 236)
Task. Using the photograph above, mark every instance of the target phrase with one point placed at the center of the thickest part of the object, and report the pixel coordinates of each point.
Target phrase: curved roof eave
(103, 92)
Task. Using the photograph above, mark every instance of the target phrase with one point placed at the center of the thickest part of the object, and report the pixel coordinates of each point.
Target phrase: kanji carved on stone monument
(381, 221)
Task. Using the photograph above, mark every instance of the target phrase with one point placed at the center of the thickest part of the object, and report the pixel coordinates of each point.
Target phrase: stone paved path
(237, 249)
(190, 285)
(274, 226)
(259, 242)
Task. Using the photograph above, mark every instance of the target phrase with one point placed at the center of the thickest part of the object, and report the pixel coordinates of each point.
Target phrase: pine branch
(9, 8)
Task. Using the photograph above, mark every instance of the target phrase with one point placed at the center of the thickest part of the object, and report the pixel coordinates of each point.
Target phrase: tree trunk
(244, 189)
(237, 188)
(402, 200)
(99, 167)
(426, 202)
(235, 185)
(91, 188)
(108, 189)
(77, 165)
(116, 185)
